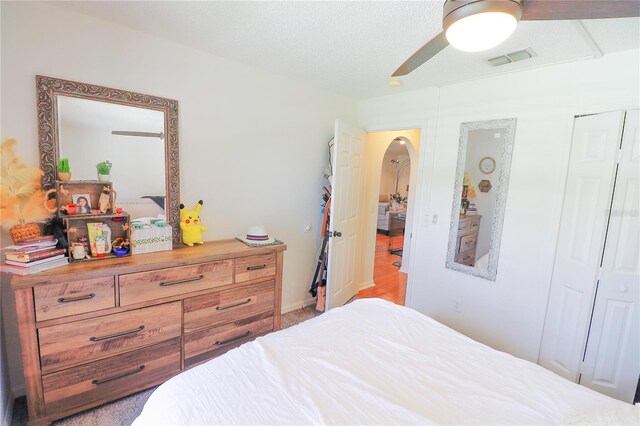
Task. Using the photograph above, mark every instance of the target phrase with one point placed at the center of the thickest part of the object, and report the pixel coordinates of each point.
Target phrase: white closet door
(612, 359)
(594, 151)
(345, 218)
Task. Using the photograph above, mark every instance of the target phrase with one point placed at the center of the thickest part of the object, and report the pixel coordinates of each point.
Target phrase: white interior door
(345, 217)
(594, 152)
(612, 359)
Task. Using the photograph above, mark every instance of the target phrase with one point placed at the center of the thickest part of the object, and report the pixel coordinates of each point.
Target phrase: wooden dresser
(468, 227)
(96, 331)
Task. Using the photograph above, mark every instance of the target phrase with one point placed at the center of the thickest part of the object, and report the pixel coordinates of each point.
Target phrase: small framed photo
(83, 201)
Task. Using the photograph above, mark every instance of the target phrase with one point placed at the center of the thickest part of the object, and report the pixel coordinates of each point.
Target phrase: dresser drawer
(75, 297)
(474, 224)
(468, 242)
(87, 340)
(466, 257)
(145, 286)
(228, 305)
(205, 344)
(463, 227)
(111, 378)
(254, 267)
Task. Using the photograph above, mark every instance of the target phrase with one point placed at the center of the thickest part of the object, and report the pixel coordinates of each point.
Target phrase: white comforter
(370, 362)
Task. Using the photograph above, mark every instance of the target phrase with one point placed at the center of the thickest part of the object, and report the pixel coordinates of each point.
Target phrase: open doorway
(391, 163)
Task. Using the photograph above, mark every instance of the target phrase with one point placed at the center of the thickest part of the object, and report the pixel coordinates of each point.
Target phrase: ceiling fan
(138, 134)
(475, 25)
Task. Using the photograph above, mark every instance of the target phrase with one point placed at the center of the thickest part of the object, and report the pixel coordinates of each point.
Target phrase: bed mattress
(373, 362)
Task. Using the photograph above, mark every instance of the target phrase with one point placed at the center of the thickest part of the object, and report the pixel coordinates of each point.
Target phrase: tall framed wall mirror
(136, 134)
(480, 192)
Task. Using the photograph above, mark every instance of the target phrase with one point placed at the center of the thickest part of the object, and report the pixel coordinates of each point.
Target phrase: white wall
(507, 314)
(252, 145)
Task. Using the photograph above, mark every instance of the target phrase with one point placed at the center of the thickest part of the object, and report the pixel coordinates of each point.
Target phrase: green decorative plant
(63, 165)
(104, 167)
(399, 198)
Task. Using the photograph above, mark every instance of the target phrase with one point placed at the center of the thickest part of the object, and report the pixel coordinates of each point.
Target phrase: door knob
(623, 289)
(337, 234)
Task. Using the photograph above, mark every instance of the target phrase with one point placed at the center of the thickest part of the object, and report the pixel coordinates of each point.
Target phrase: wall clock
(487, 165)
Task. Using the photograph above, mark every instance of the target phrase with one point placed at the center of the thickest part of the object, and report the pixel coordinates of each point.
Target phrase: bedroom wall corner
(253, 145)
(507, 314)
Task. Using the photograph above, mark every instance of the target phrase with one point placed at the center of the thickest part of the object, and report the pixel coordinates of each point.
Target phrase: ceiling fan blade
(556, 10)
(423, 54)
(141, 134)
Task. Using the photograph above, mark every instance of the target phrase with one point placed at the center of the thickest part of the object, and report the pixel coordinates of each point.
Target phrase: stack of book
(471, 210)
(34, 255)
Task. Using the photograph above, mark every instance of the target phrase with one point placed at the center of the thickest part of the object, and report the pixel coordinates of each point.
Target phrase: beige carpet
(125, 410)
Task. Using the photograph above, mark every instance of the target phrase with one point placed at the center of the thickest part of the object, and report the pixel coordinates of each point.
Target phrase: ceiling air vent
(520, 55)
(500, 60)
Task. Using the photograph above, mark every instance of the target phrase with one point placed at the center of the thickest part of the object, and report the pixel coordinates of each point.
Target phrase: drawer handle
(222, 308)
(111, 336)
(233, 339)
(75, 299)
(186, 280)
(255, 268)
(119, 376)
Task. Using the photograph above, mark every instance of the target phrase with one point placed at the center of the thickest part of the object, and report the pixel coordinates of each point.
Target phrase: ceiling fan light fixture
(476, 25)
(481, 31)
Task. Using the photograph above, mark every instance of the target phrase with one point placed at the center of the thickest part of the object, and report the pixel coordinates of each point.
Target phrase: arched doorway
(393, 166)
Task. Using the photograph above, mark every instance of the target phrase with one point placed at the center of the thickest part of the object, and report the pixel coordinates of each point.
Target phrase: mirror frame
(49, 88)
(509, 124)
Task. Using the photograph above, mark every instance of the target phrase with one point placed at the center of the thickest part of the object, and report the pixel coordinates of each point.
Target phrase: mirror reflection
(130, 138)
(483, 164)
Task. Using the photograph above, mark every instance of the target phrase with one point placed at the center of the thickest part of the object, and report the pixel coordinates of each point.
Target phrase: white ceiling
(351, 47)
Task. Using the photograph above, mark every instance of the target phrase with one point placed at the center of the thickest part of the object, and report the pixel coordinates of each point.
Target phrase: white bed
(373, 362)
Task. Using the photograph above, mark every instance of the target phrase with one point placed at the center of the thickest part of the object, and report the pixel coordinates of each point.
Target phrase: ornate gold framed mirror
(136, 133)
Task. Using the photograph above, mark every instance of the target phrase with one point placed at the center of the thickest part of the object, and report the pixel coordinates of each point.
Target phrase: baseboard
(367, 284)
(298, 305)
(8, 412)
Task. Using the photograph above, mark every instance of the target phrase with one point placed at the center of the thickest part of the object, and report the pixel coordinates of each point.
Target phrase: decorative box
(151, 237)
(81, 227)
(85, 196)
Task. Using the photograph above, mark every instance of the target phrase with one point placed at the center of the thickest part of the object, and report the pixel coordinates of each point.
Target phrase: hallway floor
(391, 284)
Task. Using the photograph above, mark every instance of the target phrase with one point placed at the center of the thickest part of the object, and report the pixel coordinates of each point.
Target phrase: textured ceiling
(350, 47)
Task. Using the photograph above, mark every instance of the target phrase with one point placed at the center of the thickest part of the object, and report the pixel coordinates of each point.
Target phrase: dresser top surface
(466, 217)
(179, 256)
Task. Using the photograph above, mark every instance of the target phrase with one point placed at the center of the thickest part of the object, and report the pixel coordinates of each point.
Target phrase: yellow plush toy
(191, 226)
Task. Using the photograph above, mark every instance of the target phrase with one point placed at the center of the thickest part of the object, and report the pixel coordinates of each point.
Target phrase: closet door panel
(589, 186)
(612, 358)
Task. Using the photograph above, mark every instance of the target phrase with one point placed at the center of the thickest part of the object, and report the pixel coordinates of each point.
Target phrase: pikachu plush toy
(191, 226)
